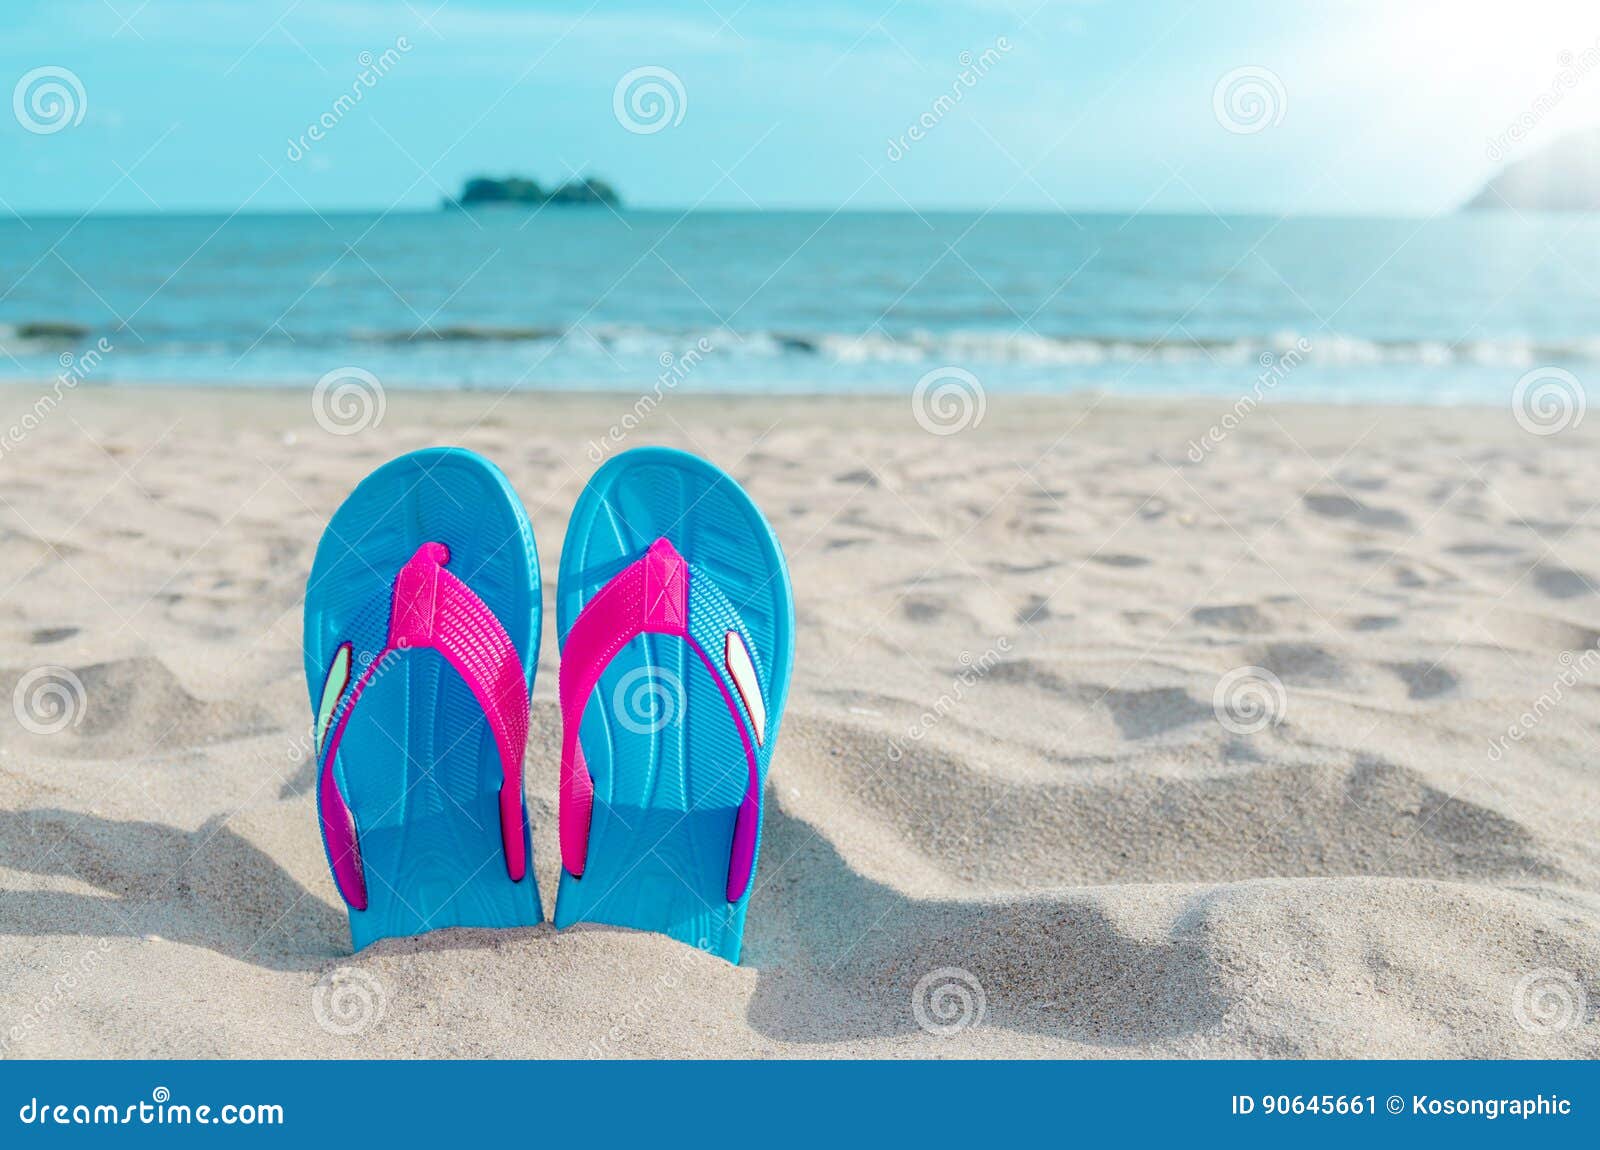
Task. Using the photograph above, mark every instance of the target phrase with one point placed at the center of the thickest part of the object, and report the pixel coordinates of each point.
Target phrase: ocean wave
(958, 347)
(1033, 348)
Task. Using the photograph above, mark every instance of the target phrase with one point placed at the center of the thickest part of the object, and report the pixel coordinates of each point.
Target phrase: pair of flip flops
(422, 624)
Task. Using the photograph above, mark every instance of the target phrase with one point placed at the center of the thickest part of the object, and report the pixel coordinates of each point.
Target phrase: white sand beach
(1004, 819)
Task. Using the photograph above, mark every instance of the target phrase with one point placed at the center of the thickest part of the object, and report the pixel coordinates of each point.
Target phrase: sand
(1005, 818)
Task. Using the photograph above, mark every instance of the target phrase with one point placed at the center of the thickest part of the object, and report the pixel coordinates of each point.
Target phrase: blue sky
(1372, 107)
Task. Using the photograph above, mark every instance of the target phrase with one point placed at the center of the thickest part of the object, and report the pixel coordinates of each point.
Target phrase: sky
(1238, 106)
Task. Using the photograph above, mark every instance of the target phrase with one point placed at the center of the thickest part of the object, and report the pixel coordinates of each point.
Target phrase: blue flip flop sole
(418, 765)
(668, 765)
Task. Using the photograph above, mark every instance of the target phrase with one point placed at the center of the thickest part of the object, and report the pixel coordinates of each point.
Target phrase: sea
(1452, 309)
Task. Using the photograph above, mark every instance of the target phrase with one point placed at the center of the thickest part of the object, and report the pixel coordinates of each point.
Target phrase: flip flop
(676, 620)
(421, 639)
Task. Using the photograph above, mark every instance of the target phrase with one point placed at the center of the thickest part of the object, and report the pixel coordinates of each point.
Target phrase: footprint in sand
(1303, 663)
(858, 478)
(1036, 609)
(1242, 618)
(1425, 680)
(1335, 506)
(921, 609)
(1146, 713)
(1561, 582)
(1484, 550)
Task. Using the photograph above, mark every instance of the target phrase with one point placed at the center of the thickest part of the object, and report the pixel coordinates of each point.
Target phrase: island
(517, 190)
(1563, 176)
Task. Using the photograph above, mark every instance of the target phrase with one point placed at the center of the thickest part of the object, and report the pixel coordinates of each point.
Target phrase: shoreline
(899, 392)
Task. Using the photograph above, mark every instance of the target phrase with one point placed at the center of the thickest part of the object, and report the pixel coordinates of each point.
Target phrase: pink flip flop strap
(649, 596)
(432, 609)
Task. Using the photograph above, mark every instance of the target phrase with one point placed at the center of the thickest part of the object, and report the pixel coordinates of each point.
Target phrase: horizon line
(441, 209)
